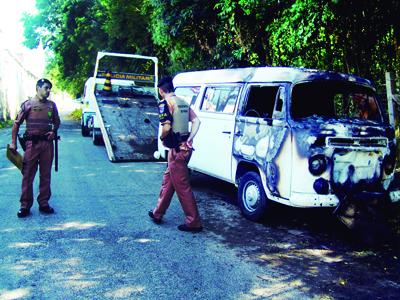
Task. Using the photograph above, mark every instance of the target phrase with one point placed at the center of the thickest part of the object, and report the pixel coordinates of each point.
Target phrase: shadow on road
(308, 248)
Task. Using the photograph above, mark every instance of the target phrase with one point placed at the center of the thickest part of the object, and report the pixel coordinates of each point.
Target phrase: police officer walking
(175, 115)
(42, 122)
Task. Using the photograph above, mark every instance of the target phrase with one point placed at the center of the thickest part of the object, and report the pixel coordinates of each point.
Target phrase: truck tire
(252, 199)
(85, 130)
(96, 137)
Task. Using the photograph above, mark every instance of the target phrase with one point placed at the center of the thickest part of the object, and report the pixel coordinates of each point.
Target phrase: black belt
(35, 138)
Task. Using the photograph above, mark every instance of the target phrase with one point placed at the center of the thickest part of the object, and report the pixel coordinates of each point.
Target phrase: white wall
(19, 71)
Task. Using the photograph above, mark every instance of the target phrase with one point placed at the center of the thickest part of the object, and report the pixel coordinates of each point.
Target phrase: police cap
(166, 84)
(42, 81)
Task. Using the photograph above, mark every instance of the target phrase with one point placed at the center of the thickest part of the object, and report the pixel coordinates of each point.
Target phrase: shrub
(7, 123)
(76, 114)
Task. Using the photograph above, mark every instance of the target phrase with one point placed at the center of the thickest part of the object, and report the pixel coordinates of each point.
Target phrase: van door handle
(238, 133)
(227, 132)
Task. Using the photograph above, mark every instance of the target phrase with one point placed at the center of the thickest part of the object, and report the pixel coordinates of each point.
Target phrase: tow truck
(120, 106)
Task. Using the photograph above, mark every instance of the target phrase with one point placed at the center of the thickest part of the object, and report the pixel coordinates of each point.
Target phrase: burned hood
(313, 132)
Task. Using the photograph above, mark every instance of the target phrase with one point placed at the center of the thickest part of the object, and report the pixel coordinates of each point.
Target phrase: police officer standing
(175, 115)
(42, 122)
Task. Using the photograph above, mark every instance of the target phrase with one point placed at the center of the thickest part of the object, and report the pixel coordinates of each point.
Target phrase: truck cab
(88, 109)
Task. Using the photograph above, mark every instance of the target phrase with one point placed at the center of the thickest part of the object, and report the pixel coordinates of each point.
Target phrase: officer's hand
(50, 135)
(189, 143)
(13, 147)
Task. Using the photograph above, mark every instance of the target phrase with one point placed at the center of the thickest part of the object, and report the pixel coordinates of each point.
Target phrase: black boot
(46, 210)
(23, 212)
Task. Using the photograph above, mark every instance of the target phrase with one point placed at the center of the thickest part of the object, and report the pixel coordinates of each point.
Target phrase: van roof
(263, 74)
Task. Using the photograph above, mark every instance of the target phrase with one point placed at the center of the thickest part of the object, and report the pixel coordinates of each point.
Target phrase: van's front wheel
(251, 197)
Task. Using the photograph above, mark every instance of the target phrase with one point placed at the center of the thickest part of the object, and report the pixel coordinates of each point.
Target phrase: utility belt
(174, 139)
(34, 138)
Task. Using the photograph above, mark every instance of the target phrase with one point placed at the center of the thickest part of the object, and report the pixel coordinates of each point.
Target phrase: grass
(76, 114)
(5, 124)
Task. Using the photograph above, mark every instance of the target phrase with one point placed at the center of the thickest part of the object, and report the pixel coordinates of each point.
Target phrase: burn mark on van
(356, 153)
(258, 142)
(272, 178)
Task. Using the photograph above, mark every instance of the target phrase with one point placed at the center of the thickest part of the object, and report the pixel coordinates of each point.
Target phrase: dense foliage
(352, 36)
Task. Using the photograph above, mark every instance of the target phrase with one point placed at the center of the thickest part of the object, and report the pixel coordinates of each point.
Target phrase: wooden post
(389, 95)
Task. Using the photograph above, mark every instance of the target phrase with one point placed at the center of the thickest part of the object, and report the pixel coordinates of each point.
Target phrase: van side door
(213, 143)
(261, 133)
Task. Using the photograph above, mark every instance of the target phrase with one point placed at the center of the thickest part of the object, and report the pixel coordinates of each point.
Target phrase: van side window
(260, 101)
(220, 99)
(188, 93)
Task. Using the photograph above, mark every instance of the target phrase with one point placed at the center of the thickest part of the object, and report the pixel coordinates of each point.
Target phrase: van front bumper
(394, 189)
(394, 196)
(313, 200)
(331, 200)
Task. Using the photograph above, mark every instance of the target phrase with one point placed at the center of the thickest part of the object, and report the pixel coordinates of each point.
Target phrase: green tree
(354, 36)
(75, 30)
(184, 33)
(72, 31)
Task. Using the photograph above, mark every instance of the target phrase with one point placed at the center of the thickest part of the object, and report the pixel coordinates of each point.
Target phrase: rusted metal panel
(132, 126)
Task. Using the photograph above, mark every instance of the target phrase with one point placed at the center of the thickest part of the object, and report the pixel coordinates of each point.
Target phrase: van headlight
(317, 164)
(321, 186)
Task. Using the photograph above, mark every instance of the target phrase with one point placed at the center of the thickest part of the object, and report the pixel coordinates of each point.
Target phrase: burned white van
(304, 138)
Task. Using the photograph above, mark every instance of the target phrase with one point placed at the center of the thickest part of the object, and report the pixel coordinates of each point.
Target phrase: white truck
(123, 115)
(88, 109)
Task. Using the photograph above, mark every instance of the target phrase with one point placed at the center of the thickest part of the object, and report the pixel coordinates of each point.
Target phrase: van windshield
(334, 100)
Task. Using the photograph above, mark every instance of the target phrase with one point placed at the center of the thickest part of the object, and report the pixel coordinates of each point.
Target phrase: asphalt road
(101, 244)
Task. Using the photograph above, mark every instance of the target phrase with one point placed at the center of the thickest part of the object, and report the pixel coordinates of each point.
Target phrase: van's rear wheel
(251, 197)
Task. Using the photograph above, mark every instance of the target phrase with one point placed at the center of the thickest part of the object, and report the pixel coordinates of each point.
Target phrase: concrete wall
(20, 68)
(16, 83)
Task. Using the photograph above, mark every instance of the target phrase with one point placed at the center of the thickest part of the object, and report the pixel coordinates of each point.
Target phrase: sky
(11, 38)
(10, 24)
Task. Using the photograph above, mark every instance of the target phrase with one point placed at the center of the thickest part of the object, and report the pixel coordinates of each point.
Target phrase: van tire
(252, 199)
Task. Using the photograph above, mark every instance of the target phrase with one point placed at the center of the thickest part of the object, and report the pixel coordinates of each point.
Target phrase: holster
(171, 140)
(174, 139)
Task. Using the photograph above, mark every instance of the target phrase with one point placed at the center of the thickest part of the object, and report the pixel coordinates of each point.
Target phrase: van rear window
(220, 99)
(188, 93)
(334, 99)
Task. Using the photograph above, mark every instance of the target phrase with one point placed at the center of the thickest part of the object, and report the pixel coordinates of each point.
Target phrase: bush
(7, 123)
(76, 114)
